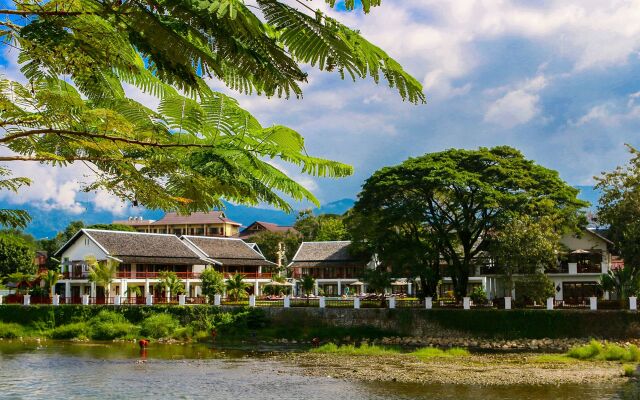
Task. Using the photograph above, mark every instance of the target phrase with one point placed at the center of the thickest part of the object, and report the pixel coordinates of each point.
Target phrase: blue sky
(556, 79)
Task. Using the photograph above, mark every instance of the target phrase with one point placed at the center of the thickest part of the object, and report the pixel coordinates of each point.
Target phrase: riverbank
(474, 369)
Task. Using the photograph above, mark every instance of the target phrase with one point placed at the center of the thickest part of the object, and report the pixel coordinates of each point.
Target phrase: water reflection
(122, 371)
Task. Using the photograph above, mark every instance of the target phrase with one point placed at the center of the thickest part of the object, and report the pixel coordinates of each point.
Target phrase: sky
(556, 79)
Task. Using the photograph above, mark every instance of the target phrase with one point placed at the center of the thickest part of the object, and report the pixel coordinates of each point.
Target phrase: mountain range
(46, 223)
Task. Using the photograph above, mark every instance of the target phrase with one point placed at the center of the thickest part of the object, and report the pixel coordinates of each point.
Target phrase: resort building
(212, 223)
(233, 256)
(332, 265)
(260, 226)
(140, 257)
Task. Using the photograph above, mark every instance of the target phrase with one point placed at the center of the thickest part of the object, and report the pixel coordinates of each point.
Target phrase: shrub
(609, 352)
(478, 295)
(109, 325)
(10, 331)
(70, 331)
(586, 352)
(535, 287)
(628, 370)
(159, 326)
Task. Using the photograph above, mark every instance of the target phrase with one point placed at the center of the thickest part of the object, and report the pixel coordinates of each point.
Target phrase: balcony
(156, 275)
(589, 268)
(249, 275)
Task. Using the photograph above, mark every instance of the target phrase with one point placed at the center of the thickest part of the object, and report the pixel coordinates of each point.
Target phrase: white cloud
(518, 105)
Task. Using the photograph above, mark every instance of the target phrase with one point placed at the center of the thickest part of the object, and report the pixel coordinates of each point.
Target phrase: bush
(109, 325)
(71, 331)
(10, 331)
(478, 295)
(628, 370)
(535, 287)
(159, 326)
(609, 352)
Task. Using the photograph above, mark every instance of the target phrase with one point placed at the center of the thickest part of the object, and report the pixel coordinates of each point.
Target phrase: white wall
(82, 248)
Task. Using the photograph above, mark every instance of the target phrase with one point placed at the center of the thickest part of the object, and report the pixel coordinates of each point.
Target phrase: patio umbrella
(356, 283)
(581, 251)
(399, 283)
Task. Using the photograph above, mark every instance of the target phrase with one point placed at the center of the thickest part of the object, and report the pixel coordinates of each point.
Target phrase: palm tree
(308, 284)
(236, 287)
(50, 279)
(169, 280)
(21, 280)
(102, 273)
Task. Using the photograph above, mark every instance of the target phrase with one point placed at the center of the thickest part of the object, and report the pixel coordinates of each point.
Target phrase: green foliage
(22, 281)
(426, 353)
(236, 287)
(478, 295)
(268, 242)
(607, 351)
(377, 280)
(351, 350)
(212, 283)
(461, 195)
(323, 227)
(102, 272)
(16, 255)
(54, 244)
(108, 325)
(168, 280)
(10, 330)
(308, 283)
(71, 331)
(629, 370)
(624, 282)
(112, 227)
(535, 287)
(159, 326)
(50, 278)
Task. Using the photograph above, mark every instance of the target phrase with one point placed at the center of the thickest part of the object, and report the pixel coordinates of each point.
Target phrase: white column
(409, 286)
(428, 303)
(593, 303)
(149, 300)
(507, 303)
(67, 289)
(85, 299)
(573, 268)
(117, 300)
(315, 288)
(187, 287)
(216, 299)
(466, 303)
(146, 287)
(633, 303)
(356, 302)
(26, 300)
(256, 288)
(339, 287)
(287, 302)
(93, 290)
(1, 299)
(604, 268)
(197, 290)
(124, 287)
(56, 300)
(392, 302)
(252, 301)
(182, 299)
(322, 302)
(550, 303)
(167, 293)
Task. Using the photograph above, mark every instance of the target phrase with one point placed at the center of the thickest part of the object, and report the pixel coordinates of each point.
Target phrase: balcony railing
(156, 275)
(250, 275)
(589, 268)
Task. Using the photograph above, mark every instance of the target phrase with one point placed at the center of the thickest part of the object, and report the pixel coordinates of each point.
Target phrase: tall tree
(200, 146)
(16, 255)
(320, 227)
(619, 210)
(268, 243)
(462, 196)
(212, 283)
(102, 273)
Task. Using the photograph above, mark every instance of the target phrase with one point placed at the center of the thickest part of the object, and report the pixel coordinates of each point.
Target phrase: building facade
(260, 226)
(212, 223)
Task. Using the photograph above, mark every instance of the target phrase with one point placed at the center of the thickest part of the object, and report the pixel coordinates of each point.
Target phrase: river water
(119, 371)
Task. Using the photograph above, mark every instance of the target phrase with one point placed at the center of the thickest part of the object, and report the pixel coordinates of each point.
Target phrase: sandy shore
(476, 369)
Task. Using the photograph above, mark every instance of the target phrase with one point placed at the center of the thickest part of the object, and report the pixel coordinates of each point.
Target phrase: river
(59, 370)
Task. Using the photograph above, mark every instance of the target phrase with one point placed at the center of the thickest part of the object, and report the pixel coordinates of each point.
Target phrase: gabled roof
(227, 251)
(599, 233)
(211, 217)
(263, 226)
(318, 254)
(139, 248)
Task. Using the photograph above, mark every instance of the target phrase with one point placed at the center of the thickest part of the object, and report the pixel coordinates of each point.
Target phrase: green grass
(77, 330)
(554, 359)
(373, 350)
(605, 351)
(628, 370)
(10, 331)
(160, 326)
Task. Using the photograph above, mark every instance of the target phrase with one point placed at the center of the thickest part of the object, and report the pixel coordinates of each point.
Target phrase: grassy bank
(162, 322)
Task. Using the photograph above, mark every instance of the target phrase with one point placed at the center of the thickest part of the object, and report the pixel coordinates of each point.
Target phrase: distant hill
(46, 223)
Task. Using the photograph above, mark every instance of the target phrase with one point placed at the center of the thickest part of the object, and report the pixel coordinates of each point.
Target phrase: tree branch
(26, 13)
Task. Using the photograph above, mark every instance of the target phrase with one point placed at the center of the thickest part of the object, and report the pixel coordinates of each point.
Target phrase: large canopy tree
(200, 145)
(461, 196)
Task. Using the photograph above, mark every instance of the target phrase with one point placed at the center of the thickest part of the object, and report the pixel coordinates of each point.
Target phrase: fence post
(593, 303)
(85, 299)
(466, 303)
(149, 299)
(182, 300)
(428, 303)
(392, 302)
(633, 303)
(252, 301)
(550, 303)
(356, 302)
(507, 303)
(117, 300)
(1, 299)
(56, 300)
(287, 302)
(216, 299)
(26, 300)
(321, 302)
